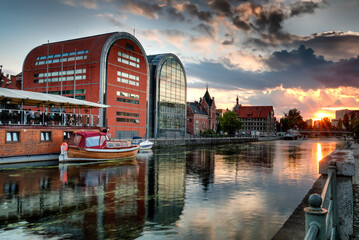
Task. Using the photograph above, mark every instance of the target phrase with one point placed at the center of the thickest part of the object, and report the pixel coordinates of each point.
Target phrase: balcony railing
(29, 117)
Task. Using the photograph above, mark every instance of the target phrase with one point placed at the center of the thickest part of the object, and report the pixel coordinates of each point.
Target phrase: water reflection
(319, 151)
(239, 191)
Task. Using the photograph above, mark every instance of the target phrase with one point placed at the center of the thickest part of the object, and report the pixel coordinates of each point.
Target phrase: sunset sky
(285, 53)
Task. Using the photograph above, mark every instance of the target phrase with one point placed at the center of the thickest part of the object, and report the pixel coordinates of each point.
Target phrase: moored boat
(144, 144)
(33, 125)
(96, 146)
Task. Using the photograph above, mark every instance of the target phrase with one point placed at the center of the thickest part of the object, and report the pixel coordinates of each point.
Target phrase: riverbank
(170, 142)
(293, 228)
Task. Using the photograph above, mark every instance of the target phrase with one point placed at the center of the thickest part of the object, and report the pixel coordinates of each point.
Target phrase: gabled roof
(195, 106)
(207, 98)
(254, 111)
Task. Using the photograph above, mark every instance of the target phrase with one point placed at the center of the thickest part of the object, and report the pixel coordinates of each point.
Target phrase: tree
(229, 122)
(346, 122)
(340, 124)
(294, 118)
(355, 128)
(284, 124)
(326, 123)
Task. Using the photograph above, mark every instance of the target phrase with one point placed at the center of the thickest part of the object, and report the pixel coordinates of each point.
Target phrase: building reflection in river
(216, 192)
(105, 200)
(166, 186)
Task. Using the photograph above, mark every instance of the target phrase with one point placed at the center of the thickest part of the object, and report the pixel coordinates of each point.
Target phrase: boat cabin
(95, 140)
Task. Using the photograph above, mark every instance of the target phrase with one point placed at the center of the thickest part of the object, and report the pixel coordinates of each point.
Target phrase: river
(233, 191)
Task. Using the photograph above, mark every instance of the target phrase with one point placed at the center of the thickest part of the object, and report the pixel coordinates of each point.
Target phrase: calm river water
(239, 191)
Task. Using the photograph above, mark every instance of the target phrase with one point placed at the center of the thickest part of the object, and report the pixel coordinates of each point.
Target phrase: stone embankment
(170, 142)
(347, 180)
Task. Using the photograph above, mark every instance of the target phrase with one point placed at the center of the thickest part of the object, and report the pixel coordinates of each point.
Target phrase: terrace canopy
(12, 96)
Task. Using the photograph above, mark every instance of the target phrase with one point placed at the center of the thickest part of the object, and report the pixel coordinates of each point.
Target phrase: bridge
(325, 132)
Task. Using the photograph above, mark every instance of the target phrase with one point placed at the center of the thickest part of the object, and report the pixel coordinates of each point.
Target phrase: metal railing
(29, 117)
(321, 223)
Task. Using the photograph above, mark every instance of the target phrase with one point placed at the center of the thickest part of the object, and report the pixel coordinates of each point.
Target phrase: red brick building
(256, 119)
(110, 69)
(201, 115)
(10, 81)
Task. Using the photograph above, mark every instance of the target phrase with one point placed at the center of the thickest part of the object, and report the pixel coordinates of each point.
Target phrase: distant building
(309, 123)
(10, 81)
(167, 96)
(256, 118)
(201, 115)
(339, 114)
(317, 124)
(197, 118)
(334, 122)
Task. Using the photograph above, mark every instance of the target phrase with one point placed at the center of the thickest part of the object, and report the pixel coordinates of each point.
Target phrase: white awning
(12, 96)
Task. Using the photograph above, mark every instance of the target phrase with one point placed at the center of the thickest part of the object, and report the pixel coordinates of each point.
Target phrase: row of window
(132, 58)
(123, 80)
(127, 114)
(130, 120)
(59, 79)
(125, 100)
(59, 73)
(126, 75)
(130, 95)
(253, 119)
(125, 61)
(45, 136)
(63, 55)
(69, 59)
(65, 92)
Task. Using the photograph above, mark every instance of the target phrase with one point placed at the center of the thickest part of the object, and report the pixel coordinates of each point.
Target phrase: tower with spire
(237, 106)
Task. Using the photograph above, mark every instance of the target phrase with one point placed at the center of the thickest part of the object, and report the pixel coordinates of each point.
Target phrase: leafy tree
(326, 123)
(355, 128)
(340, 124)
(229, 122)
(294, 118)
(346, 122)
(284, 124)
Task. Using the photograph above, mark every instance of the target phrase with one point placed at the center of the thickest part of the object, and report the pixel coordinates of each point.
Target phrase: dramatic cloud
(333, 45)
(296, 69)
(111, 18)
(303, 7)
(193, 10)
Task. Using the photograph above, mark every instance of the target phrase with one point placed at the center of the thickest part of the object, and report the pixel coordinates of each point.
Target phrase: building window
(59, 57)
(130, 95)
(125, 100)
(12, 136)
(126, 114)
(67, 135)
(45, 137)
(130, 120)
(130, 47)
(197, 125)
(204, 125)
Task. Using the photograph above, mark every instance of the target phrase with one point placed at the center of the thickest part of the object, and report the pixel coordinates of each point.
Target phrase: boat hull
(85, 154)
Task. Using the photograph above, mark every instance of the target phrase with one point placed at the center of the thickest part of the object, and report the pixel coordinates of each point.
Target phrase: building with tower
(256, 119)
(201, 115)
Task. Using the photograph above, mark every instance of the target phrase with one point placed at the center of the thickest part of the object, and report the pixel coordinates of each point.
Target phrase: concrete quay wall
(170, 142)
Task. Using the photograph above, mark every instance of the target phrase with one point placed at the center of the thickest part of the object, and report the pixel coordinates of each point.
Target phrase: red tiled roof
(254, 111)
